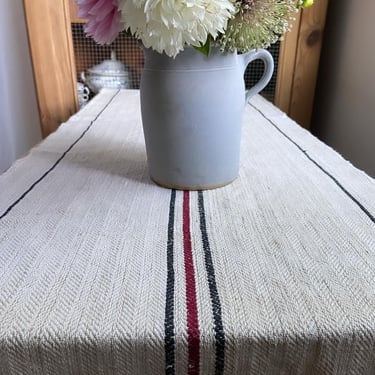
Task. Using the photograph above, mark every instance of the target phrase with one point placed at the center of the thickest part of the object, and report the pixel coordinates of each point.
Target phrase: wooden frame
(74, 13)
(51, 46)
(54, 68)
(299, 63)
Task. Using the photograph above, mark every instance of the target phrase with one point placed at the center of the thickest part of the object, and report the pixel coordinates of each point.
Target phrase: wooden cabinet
(49, 27)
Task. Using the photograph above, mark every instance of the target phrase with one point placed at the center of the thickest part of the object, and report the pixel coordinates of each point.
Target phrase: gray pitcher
(192, 108)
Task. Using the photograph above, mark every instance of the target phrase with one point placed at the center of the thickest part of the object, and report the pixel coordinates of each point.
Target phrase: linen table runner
(103, 272)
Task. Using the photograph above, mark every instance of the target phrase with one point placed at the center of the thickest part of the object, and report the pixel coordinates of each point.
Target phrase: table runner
(103, 272)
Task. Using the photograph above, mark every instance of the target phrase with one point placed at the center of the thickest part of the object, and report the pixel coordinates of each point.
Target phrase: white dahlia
(168, 25)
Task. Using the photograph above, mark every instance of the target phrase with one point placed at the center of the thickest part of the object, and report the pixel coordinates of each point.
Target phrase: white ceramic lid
(112, 67)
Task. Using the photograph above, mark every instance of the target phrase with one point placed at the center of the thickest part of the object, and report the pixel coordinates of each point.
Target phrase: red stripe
(191, 295)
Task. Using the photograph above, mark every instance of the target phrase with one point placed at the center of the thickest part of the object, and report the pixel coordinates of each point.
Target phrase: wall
(19, 118)
(344, 109)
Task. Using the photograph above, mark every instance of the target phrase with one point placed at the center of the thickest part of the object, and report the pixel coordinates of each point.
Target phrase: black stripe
(215, 299)
(359, 204)
(6, 212)
(169, 341)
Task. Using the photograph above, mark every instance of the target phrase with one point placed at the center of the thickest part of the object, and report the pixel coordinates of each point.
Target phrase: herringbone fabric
(103, 272)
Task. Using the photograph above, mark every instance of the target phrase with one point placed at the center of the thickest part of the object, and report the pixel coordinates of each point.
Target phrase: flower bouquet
(170, 25)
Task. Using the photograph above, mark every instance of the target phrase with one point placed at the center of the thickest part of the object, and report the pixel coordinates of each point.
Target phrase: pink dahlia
(103, 19)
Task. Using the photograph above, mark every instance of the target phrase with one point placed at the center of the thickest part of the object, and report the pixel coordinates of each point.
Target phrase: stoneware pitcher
(192, 108)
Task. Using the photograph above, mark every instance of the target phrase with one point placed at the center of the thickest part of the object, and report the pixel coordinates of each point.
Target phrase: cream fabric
(95, 273)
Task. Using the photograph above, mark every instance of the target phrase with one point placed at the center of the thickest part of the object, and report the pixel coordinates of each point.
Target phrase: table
(103, 272)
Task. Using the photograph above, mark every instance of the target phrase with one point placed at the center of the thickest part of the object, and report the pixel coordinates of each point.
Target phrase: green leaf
(127, 32)
(205, 48)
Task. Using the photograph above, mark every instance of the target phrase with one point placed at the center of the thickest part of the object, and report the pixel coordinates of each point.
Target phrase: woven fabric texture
(103, 272)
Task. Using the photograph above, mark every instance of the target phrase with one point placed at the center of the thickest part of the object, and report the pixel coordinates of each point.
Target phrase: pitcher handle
(267, 58)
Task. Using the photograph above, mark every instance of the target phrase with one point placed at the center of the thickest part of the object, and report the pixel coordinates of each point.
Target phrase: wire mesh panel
(88, 54)
(255, 70)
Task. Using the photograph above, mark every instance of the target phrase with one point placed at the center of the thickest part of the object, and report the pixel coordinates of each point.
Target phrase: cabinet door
(48, 23)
